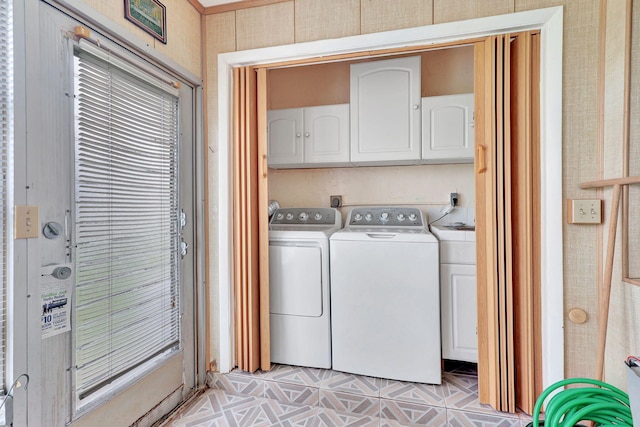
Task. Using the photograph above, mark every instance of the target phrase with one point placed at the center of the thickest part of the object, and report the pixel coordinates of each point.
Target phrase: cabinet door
(284, 133)
(458, 304)
(326, 134)
(447, 128)
(385, 111)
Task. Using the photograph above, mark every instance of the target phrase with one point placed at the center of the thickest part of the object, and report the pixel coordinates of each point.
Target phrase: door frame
(550, 23)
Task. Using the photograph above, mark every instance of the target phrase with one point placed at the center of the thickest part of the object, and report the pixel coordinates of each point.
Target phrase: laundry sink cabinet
(458, 294)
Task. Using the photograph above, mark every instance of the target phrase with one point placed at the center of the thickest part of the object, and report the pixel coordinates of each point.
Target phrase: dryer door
(295, 279)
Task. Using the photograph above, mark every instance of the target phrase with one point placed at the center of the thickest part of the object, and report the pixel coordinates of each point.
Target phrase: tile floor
(296, 396)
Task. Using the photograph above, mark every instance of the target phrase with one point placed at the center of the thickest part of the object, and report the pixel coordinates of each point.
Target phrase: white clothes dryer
(385, 296)
(299, 285)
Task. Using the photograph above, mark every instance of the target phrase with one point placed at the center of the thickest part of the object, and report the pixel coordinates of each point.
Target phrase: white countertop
(450, 233)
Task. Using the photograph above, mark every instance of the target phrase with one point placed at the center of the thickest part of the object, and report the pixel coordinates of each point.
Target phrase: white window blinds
(6, 137)
(126, 222)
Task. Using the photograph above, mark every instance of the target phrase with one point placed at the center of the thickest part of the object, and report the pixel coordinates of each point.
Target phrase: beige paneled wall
(624, 333)
(184, 34)
(458, 10)
(634, 152)
(384, 15)
(326, 19)
(265, 26)
(423, 186)
(323, 19)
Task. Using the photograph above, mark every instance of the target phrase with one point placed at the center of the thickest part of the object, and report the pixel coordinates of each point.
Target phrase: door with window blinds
(110, 159)
(128, 229)
(127, 291)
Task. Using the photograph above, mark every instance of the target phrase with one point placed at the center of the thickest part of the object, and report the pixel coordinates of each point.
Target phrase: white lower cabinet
(458, 307)
(308, 137)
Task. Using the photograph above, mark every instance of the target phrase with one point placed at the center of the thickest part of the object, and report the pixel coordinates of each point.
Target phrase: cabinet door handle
(416, 106)
(482, 167)
(307, 134)
(298, 134)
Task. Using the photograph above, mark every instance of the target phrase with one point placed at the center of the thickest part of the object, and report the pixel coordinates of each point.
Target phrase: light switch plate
(27, 223)
(584, 211)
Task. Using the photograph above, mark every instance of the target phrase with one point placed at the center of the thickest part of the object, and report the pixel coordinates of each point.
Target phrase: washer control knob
(413, 217)
(280, 215)
(400, 217)
(368, 217)
(357, 217)
(384, 216)
(289, 216)
(318, 217)
(303, 216)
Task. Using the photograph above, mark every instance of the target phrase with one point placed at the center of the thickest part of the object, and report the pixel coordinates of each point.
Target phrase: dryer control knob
(303, 216)
(318, 217)
(280, 215)
(357, 217)
(384, 216)
(400, 217)
(368, 217)
(289, 216)
(413, 217)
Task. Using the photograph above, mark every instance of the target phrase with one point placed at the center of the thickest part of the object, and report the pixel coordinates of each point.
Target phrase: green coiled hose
(604, 404)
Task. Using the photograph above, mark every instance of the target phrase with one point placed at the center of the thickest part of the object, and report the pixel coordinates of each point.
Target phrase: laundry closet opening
(495, 62)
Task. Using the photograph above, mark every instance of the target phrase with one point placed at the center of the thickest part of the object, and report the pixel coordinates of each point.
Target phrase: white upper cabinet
(448, 131)
(308, 137)
(385, 111)
(284, 134)
(326, 134)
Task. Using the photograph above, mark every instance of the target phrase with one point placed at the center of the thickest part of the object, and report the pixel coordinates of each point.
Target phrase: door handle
(482, 167)
(264, 165)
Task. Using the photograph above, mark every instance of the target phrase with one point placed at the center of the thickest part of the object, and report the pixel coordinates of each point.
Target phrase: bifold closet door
(250, 221)
(507, 202)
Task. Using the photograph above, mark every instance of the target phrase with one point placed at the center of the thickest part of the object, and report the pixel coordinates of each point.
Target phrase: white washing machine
(385, 296)
(299, 287)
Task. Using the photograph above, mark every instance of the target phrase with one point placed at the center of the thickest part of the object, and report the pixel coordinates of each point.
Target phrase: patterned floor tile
(475, 419)
(461, 392)
(348, 403)
(329, 418)
(426, 394)
(351, 383)
(407, 413)
(290, 396)
(239, 383)
(296, 375)
(291, 393)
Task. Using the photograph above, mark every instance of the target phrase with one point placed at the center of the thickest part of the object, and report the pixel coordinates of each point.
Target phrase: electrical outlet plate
(454, 200)
(584, 211)
(335, 201)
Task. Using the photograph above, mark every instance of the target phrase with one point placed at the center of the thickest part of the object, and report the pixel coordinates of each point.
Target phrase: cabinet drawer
(457, 252)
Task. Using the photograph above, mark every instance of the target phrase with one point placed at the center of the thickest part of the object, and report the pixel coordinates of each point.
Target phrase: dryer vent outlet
(335, 201)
